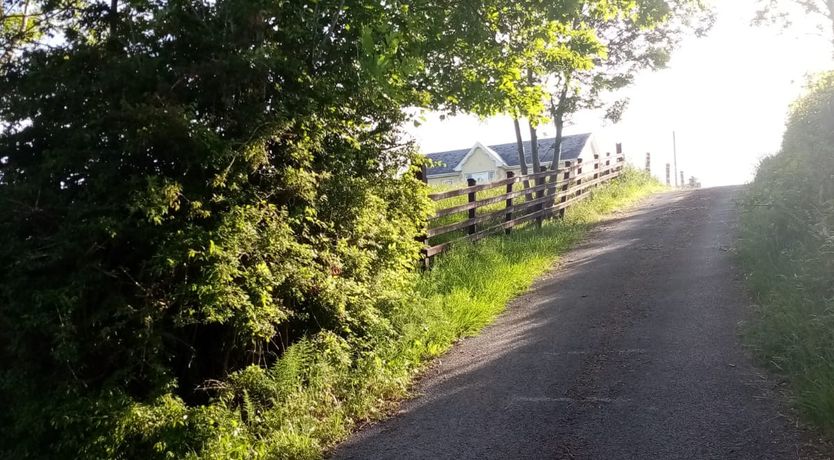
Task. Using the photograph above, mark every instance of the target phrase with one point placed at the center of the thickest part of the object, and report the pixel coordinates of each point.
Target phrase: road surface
(629, 349)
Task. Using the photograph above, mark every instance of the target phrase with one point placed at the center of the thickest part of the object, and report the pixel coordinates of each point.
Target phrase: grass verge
(786, 249)
(792, 327)
(322, 387)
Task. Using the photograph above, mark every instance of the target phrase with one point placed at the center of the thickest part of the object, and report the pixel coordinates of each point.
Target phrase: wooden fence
(544, 194)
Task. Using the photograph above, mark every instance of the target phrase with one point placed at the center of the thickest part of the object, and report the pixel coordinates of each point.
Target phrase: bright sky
(726, 96)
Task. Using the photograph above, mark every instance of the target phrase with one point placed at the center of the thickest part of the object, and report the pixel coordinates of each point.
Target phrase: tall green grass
(787, 250)
(322, 387)
(792, 329)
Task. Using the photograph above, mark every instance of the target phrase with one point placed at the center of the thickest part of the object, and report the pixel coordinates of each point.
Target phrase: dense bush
(788, 248)
(182, 197)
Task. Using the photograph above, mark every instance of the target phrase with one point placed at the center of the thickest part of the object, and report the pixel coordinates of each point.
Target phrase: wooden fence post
(421, 238)
(539, 195)
(509, 216)
(565, 185)
(668, 175)
(596, 166)
(553, 187)
(556, 192)
(648, 162)
(472, 199)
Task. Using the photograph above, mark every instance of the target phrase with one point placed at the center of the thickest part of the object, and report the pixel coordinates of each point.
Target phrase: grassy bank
(467, 288)
(792, 330)
(321, 387)
(787, 250)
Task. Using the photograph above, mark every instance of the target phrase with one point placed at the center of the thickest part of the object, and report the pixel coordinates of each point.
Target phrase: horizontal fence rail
(544, 194)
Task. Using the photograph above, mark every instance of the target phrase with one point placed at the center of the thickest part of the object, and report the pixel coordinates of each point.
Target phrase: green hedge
(186, 190)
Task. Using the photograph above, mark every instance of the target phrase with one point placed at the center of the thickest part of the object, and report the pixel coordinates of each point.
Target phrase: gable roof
(491, 153)
(450, 162)
(446, 162)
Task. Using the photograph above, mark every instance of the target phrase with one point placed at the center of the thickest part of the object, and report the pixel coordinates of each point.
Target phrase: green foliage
(322, 386)
(20, 24)
(640, 36)
(187, 189)
(787, 246)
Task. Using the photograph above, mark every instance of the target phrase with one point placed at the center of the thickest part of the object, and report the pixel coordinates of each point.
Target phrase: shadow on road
(628, 350)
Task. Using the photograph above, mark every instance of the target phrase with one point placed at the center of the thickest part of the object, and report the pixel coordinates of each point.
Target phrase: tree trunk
(114, 16)
(522, 161)
(537, 168)
(24, 19)
(557, 111)
(534, 152)
(534, 149)
(534, 140)
(559, 123)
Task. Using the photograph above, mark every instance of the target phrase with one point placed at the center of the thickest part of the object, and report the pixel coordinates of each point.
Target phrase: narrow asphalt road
(628, 350)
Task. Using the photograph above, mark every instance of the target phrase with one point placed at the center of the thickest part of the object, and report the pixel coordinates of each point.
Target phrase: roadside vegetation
(463, 292)
(323, 385)
(787, 248)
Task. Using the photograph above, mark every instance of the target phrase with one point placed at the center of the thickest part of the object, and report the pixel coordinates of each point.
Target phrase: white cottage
(490, 163)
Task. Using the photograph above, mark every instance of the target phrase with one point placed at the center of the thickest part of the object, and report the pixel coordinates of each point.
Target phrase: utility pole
(675, 156)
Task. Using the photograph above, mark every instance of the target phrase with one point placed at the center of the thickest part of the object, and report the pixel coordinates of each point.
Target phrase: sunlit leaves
(641, 35)
(786, 13)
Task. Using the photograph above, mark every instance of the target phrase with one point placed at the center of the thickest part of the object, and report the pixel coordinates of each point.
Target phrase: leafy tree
(24, 23)
(580, 49)
(639, 38)
(576, 54)
(537, 33)
(16, 26)
(784, 13)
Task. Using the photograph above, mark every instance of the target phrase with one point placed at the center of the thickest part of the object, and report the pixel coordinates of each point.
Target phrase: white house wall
(478, 162)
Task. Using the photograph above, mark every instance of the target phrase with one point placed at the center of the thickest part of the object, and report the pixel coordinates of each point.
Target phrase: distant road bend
(628, 350)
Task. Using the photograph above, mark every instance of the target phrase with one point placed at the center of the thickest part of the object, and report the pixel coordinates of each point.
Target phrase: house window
(482, 177)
